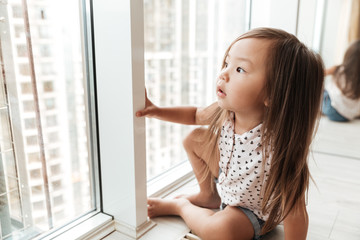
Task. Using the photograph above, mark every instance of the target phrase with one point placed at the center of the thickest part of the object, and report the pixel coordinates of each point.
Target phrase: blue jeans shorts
(256, 222)
(329, 111)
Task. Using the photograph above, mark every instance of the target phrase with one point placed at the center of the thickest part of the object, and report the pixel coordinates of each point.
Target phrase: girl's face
(240, 85)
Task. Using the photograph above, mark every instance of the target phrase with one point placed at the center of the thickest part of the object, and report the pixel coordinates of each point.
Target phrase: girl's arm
(296, 223)
(183, 115)
(330, 71)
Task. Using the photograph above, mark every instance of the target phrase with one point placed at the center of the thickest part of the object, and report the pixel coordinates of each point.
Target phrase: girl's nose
(224, 75)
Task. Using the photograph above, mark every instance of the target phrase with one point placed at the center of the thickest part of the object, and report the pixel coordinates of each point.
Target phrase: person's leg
(326, 103)
(195, 150)
(231, 223)
(329, 111)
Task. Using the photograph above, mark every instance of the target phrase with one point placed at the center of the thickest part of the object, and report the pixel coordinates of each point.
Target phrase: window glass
(26, 88)
(44, 115)
(184, 45)
(48, 86)
(22, 50)
(32, 140)
(17, 11)
(28, 106)
(19, 31)
(24, 69)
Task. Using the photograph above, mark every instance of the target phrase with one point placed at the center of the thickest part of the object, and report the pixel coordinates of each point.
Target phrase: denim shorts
(329, 111)
(256, 222)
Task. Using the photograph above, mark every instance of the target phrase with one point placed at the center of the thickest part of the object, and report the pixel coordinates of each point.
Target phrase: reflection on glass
(45, 178)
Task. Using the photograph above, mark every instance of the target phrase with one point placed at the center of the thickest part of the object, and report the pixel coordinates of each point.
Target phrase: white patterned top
(243, 172)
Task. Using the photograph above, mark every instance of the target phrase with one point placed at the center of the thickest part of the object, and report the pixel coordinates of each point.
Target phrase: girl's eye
(240, 70)
(225, 65)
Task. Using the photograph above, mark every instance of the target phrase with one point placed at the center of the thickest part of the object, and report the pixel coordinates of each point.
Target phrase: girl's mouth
(220, 93)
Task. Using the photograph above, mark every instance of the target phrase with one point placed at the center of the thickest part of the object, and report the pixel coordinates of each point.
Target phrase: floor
(334, 202)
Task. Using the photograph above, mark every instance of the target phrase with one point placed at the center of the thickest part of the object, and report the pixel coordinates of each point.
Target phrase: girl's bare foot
(161, 207)
(212, 201)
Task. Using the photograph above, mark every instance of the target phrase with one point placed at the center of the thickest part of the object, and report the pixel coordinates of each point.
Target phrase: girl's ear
(266, 102)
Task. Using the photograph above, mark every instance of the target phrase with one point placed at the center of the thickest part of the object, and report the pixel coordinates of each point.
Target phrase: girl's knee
(193, 137)
(187, 141)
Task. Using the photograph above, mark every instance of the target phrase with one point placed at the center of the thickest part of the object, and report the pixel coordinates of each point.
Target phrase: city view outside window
(185, 41)
(45, 160)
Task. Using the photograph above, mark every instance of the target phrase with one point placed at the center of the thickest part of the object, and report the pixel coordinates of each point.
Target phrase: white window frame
(118, 45)
(119, 57)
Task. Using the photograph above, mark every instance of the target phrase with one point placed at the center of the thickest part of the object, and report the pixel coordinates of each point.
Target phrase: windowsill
(167, 227)
(176, 181)
(91, 226)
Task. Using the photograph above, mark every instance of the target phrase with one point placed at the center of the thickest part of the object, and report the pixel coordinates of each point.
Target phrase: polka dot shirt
(242, 170)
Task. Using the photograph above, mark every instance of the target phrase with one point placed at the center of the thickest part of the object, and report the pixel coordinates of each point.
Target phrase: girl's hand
(149, 110)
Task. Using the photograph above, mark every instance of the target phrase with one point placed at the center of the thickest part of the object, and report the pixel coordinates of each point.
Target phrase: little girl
(341, 101)
(256, 144)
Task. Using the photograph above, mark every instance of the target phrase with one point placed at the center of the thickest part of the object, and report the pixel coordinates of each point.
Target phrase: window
(32, 140)
(17, 11)
(46, 158)
(50, 103)
(54, 153)
(22, 50)
(26, 88)
(33, 158)
(19, 31)
(184, 44)
(30, 123)
(36, 173)
(48, 86)
(28, 106)
(45, 50)
(56, 169)
(24, 69)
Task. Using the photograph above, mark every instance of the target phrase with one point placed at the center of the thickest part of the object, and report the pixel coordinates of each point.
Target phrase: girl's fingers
(142, 113)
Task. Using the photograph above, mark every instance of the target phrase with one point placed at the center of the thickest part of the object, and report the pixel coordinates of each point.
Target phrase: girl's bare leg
(194, 149)
(230, 223)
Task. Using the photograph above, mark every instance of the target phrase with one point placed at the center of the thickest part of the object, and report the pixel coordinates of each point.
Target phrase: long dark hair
(294, 88)
(347, 75)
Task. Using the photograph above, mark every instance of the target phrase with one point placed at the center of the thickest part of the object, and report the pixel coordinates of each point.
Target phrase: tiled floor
(334, 205)
(334, 202)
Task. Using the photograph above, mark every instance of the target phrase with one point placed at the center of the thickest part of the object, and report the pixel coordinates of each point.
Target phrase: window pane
(184, 45)
(45, 167)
